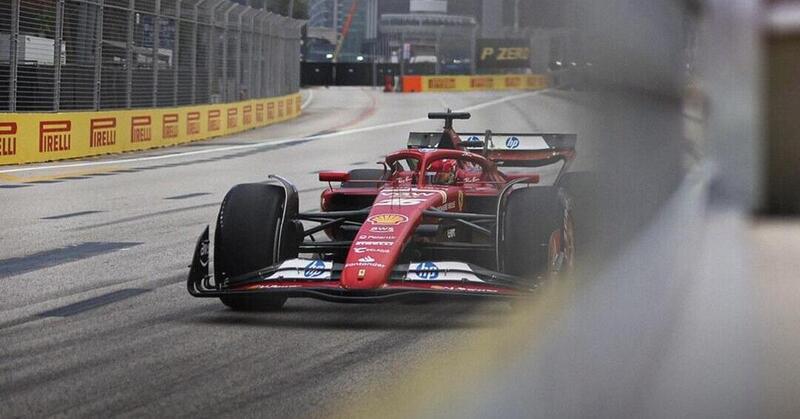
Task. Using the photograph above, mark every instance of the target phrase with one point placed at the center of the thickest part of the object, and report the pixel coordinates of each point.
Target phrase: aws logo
(8, 138)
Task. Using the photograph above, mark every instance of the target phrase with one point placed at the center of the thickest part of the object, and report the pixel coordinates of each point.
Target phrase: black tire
(363, 175)
(530, 217)
(247, 227)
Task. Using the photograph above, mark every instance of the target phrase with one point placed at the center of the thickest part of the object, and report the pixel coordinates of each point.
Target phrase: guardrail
(41, 137)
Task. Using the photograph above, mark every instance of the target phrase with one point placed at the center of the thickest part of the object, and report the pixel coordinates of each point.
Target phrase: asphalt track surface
(95, 319)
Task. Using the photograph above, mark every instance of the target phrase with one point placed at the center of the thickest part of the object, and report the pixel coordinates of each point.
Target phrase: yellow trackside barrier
(473, 83)
(40, 137)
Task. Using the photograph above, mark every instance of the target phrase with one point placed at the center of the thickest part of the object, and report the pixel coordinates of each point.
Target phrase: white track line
(268, 143)
(308, 100)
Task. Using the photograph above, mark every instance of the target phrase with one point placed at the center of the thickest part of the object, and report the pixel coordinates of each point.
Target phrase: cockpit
(438, 170)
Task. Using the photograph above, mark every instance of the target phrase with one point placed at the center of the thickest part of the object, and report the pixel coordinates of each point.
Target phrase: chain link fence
(113, 54)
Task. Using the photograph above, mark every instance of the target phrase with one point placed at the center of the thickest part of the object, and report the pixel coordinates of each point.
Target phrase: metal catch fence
(60, 55)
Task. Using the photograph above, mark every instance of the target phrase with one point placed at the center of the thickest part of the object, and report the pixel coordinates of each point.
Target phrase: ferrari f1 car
(445, 217)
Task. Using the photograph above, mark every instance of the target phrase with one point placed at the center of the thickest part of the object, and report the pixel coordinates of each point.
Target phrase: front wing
(320, 279)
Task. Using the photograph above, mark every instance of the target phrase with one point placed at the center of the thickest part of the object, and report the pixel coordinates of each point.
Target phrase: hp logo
(512, 142)
(314, 269)
(427, 270)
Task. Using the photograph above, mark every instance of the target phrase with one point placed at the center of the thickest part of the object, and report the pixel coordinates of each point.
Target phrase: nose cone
(375, 250)
(380, 240)
(365, 277)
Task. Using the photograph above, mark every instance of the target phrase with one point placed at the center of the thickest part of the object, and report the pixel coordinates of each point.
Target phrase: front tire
(248, 227)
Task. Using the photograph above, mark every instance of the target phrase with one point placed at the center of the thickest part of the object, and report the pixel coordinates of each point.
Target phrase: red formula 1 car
(445, 217)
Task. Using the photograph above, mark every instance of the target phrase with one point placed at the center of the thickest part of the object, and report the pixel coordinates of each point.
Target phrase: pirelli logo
(141, 129)
(297, 106)
(247, 115)
(289, 106)
(233, 116)
(8, 138)
(102, 132)
(213, 120)
(532, 81)
(271, 110)
(259, 112)
(442, 83)
(169, 125)
(193, 123)
(513, 81)
(54, 136)
(280, 109)
(481, 83)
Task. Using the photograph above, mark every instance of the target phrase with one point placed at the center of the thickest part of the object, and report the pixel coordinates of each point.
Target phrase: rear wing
(500, 141)
(503, 141)
(546, 154)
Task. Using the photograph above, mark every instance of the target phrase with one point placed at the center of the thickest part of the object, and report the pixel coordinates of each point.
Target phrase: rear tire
(533, 228)
(248, 224)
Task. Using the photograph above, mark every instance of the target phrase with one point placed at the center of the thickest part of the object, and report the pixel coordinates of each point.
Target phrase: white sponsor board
(512, 142)
(441, 271)
(303, 269)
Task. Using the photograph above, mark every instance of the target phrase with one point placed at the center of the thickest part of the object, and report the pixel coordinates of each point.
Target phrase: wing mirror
(334, 176)
(530, 178)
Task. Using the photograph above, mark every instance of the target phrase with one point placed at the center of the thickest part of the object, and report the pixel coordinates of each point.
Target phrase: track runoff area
(96, 318)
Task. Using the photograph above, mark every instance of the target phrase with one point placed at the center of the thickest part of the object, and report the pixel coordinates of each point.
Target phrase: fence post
(224, 87)
(176, 53)
(129, 57)
(278, 54)
(193, 65)
(251, 88)
(57, 42)
(98, 54)
(256, 69)
(14, 42)
(266, 48)
(156, 39)
(211, 41)
(270, 53)
(472, 50)
(238, 67)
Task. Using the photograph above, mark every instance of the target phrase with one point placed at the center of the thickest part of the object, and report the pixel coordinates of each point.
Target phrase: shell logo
(387, 219)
